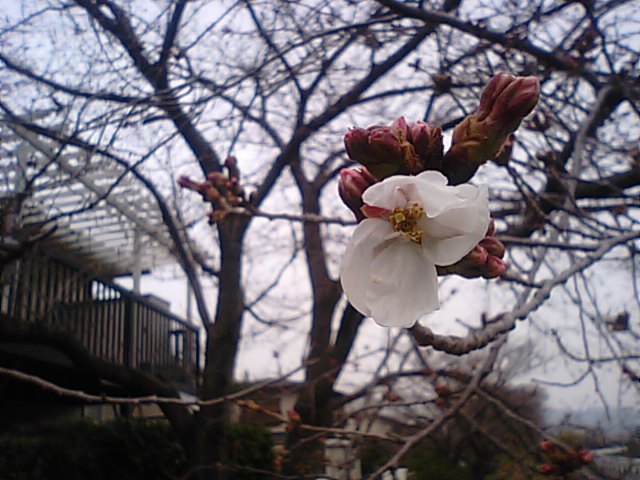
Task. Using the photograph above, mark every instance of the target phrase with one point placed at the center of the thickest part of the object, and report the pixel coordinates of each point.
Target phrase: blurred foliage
(429, 464)
(424, 462)
(80, 450)
(251, 447)
(373, 454)
(119, 450)
(572, 437)
(509, 468)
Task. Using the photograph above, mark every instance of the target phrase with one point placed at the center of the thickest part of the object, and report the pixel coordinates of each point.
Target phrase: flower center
(405, 221)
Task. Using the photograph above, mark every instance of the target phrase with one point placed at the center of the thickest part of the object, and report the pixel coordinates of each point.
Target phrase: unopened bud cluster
(222, 190)
(400, 148)
(403, 148)
(562, 461)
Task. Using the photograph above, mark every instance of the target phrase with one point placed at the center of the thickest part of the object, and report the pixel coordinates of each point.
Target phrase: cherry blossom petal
(452, 234)
(386, 277)
(357, 259)
(402, 285)
(392, 192)
(433, 177)
(436, 197)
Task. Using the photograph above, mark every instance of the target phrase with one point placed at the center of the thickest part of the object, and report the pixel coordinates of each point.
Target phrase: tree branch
(505, 322)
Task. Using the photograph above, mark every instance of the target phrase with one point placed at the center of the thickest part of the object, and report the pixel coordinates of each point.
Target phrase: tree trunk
(223, 338)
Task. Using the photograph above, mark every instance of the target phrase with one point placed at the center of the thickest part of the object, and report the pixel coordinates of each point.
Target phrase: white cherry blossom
(413, 223)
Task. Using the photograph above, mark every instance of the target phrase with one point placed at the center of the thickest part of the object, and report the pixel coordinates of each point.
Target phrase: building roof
(104, 217)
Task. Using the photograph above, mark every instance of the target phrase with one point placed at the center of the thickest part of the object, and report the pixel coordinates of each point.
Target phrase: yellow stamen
(405, 221)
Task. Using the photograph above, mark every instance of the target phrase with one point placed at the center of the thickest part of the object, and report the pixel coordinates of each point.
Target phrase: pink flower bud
(493, 246)
(472, 265)
(547, 446)
(516, 101)
(400, 126)
(494, 268)
(586, 457)
(480, 137)
(441, 389)
(400, 148)
(427, 142)
(232, 168)
(507, 99)
(351, 185)
(476, 257)
(411, 162)
(206, 189)
(373, 145)
(384, 145)
(491, 92)
(356, 142)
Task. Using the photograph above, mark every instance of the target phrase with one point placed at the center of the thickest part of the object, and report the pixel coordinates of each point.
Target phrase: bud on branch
(505, 101)
(400, 148)
(351, 185)
(223, 192)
